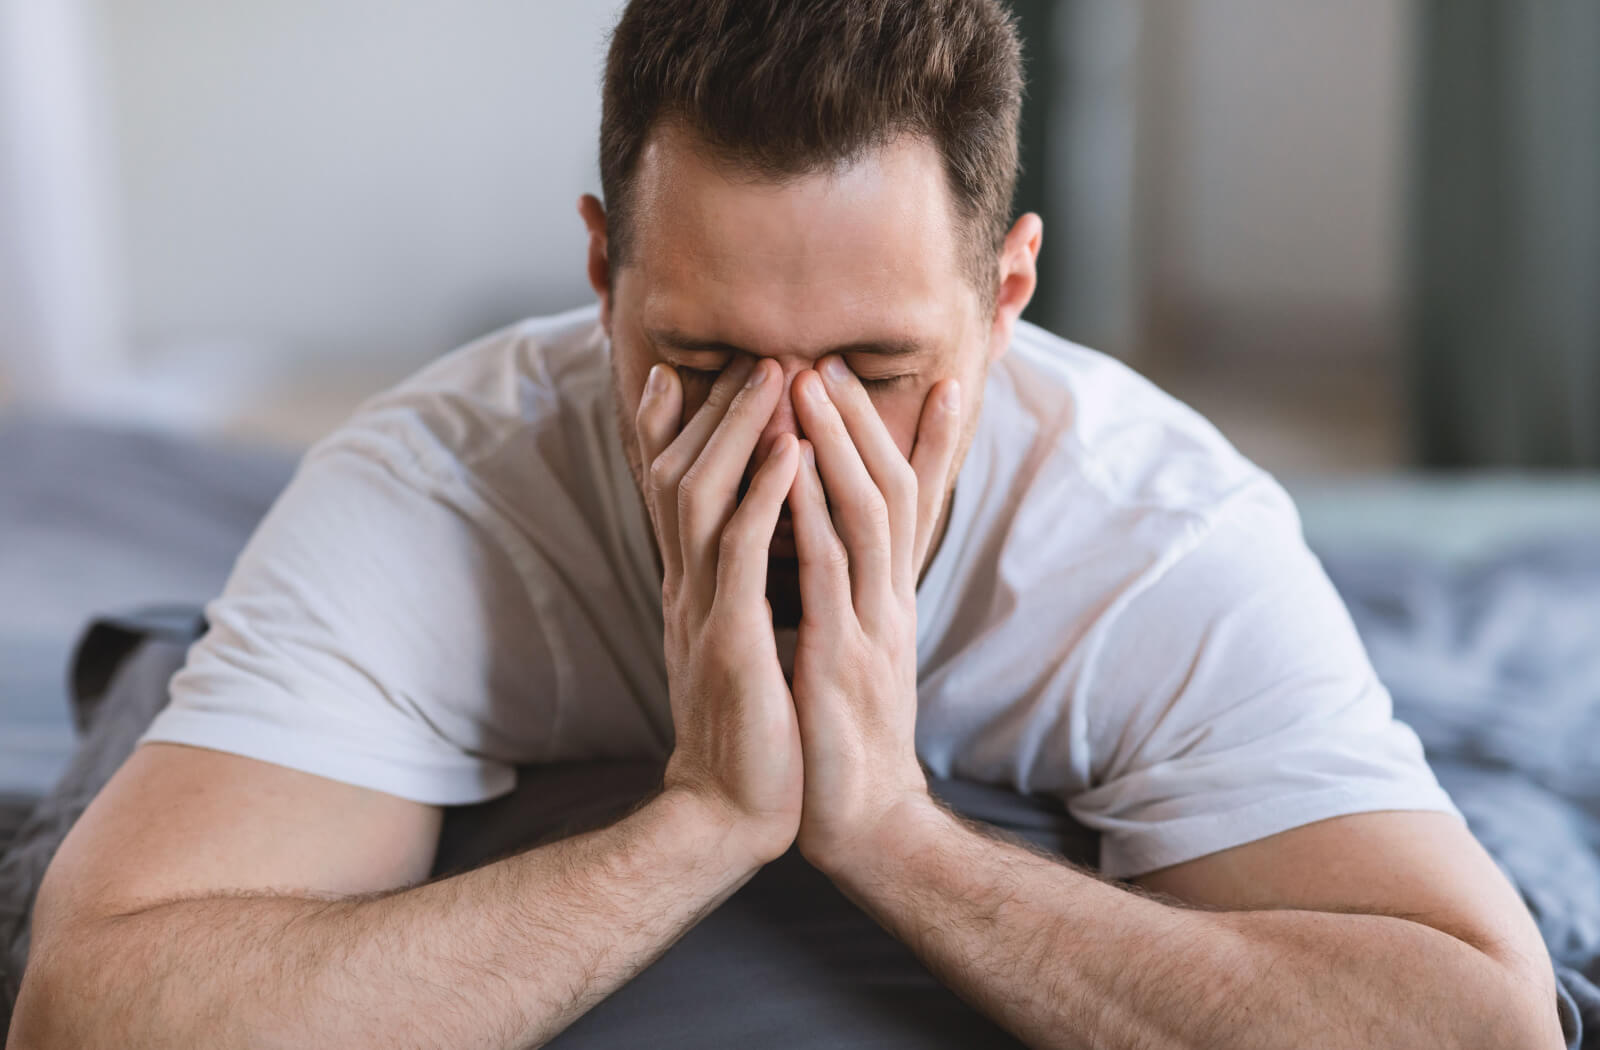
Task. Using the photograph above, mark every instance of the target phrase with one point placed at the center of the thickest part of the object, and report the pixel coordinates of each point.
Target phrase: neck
(938, 534)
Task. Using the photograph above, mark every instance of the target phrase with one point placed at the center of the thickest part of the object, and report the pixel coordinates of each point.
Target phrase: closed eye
(708, 376)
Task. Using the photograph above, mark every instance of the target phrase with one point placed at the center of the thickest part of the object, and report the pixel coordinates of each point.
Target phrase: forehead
(868, 248)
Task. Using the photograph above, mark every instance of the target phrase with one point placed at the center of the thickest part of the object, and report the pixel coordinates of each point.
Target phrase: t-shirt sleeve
(373, 631)
(1233, 700)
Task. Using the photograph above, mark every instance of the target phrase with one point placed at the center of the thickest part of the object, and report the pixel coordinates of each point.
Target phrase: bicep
(1420, 866)
(178, 821)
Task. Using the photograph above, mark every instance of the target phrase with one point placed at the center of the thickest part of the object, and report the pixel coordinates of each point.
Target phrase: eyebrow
(688, 344)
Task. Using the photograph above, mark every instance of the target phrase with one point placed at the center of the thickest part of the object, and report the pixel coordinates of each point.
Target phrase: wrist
(735, 838)
(898, 831)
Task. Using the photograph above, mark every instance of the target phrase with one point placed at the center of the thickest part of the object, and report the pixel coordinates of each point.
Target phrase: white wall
(60, 314)
(334, 181)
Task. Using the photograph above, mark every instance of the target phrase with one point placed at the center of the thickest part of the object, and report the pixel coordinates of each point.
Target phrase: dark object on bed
(14, 809)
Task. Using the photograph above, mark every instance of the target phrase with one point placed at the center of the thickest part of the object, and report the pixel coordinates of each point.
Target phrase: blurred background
(1359, 236)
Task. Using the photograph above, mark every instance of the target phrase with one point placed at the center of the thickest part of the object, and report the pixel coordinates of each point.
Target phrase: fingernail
(834, 369)
(758, 375)
(816, 393)
(656, 384)
(951, 401)
(810, 453)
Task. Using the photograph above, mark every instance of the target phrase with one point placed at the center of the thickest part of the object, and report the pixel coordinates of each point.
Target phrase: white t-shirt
(1123, 612)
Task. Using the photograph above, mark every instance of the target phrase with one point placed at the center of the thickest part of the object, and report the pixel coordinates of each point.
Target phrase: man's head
(789, 178)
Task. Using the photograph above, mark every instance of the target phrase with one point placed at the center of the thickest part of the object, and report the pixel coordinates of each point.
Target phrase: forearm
(503, 956)
(1063, 959)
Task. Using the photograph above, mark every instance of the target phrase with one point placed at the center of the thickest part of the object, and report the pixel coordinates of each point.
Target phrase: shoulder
(1103, 422)
(1113, 463)
(450, 422)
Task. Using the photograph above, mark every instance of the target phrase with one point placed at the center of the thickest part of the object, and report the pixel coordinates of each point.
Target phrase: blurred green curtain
(1506, 343)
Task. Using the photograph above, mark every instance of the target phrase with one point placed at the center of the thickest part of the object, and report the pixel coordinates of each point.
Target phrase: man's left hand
(864, 516)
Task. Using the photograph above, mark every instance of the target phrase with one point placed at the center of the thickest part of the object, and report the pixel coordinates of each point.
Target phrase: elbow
(38, 1020)
(1526, 1016)
(1543, 1025)
(1527, 1026)
(52, 1011)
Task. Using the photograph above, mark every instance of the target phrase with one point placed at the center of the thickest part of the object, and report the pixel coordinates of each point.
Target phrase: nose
(783, 419)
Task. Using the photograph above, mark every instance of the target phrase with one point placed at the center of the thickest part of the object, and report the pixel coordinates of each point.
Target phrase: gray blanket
(1497, 667)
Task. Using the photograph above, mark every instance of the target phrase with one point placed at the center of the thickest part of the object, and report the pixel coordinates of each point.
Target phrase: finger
(746, 541)
(860, 511)
(933, 458)
(665, 470)
(890, 470)
(709, 491)
(656, 423)
(824, 564)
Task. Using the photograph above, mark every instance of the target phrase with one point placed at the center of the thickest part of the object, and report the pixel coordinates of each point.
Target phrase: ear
(1018, 277)
(599, 262)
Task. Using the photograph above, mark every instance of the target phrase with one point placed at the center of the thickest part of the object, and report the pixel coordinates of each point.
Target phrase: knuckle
(695, 516)
(875, 512)
(834, 555)
(661, 475)
(903, 482)
(732, 542)
(688, 491)
(688, 485)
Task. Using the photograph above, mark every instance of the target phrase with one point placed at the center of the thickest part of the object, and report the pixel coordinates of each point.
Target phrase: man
(804, 511)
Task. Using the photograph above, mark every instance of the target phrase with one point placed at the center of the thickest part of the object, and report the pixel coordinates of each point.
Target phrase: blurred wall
(60, 309)
(327, 179)
(301, 189)
(1273, 172)
(350, 178)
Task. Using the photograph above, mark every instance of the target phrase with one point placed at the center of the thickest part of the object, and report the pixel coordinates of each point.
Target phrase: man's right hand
(738, 743)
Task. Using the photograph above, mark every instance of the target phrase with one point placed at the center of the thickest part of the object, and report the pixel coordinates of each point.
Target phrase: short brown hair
(790, 87)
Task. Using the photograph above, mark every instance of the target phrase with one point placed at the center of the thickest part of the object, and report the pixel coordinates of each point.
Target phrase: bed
(1478, 597)
(96, 519)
